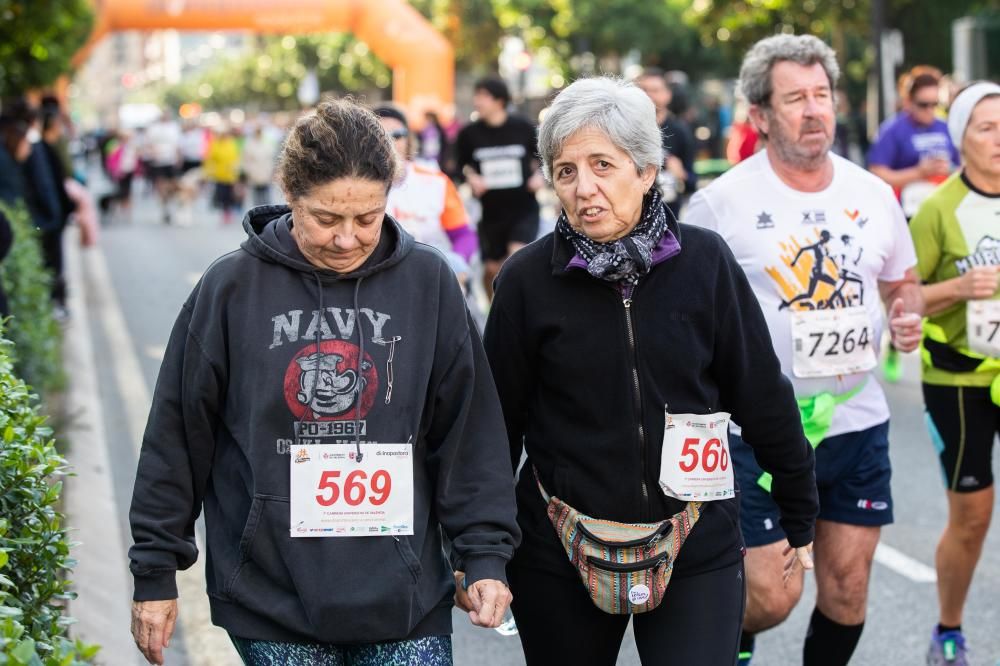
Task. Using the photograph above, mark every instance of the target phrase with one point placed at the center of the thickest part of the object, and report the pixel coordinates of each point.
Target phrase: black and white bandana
(628, 258)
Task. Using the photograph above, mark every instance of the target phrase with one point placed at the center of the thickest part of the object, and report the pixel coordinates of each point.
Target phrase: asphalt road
(153, 268)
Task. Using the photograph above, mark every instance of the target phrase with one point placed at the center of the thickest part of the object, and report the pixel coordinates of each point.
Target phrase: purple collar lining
(665, 249)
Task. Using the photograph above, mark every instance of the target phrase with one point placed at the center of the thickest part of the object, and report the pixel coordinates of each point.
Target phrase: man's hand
(477, 183)
(905, 327)
(933, 166)
(536, 182)
(152, 626)
(676, 168)
(979, 283)
(797, 557)
(485, 601)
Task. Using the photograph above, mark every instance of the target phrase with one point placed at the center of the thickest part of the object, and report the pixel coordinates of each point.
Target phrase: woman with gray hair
(621, 344)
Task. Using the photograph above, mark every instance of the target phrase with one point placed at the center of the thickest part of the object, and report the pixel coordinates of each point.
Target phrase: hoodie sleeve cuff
(156, 587)
(485, 568)
(799, 539)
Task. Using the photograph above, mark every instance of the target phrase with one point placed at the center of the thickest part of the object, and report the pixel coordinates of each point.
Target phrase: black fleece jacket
(223, 420)
(558, 343)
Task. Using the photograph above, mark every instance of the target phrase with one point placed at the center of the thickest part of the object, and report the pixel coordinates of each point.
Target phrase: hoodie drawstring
(359, 384)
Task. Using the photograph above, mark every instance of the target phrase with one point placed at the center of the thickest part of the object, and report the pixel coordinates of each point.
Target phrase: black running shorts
(495, 236)
(963, 422)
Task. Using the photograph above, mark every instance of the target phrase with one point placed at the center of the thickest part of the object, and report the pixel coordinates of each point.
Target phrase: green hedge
(33, 330)
(34, 548)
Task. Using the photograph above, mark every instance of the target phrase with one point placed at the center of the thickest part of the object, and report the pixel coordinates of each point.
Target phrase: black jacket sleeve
(474, 494)
(505, 342)
(761, 400)
(174, 464)
(463, 151)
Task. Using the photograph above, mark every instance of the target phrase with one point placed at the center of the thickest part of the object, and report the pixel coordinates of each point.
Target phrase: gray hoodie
(232, 401)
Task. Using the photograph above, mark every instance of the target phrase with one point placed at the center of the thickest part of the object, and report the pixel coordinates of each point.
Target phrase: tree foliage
(846, 24)
(34, 542)
(566, 31)
(38, 38)
(32, 328)
(268, 77)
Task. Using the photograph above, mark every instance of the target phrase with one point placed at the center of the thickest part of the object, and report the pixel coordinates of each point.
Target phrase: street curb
(100, 577)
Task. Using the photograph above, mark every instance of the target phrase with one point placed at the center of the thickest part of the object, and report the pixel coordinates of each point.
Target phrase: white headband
(961, 109)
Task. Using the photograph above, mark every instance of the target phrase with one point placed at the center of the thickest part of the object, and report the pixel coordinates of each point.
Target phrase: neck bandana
(628, 258)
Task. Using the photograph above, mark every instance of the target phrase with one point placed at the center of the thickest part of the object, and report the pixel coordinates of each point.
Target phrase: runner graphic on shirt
(838, 299)
(819, 273)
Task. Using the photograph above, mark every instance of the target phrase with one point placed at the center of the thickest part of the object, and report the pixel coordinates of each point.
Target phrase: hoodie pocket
(333, 589)
(249, 530)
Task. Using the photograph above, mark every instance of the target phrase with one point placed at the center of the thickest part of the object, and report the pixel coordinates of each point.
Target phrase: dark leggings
(52, 254)
(698, 622)
(427, 651)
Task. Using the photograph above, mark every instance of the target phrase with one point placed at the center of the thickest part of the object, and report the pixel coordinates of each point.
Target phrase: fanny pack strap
(541, 488)
(816, 413)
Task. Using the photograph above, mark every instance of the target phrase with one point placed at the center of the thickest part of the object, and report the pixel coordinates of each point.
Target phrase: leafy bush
(34, 550)
(33, 330)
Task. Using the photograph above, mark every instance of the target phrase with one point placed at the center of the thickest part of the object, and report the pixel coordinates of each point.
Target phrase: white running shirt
(848, 238)
(427, 205)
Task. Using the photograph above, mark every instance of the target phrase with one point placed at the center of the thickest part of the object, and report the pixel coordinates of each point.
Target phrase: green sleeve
(925, 228)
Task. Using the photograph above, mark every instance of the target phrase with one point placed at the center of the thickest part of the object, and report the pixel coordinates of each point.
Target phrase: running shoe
(892, 367)
(947, 649)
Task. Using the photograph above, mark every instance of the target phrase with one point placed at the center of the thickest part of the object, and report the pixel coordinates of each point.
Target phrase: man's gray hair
(755, 73)
(612, 105)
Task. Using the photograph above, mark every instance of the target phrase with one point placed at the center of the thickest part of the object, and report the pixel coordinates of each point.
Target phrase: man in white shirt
(163, 154)
(820, 240)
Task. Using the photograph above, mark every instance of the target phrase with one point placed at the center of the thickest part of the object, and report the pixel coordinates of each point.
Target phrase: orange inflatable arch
(422, 60)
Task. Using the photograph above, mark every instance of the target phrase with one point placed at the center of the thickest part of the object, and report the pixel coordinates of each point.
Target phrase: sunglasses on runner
(924, 105)
(399, 133)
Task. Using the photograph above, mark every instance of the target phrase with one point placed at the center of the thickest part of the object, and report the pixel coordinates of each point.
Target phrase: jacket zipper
(627, 302)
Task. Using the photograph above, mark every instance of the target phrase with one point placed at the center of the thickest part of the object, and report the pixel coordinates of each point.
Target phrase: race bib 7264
(827, 343)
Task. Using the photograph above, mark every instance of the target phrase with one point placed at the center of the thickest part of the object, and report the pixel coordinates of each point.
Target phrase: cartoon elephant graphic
(324, 389)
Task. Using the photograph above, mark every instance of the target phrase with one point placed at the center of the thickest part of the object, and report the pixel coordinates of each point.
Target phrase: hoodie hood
(267, 228)
(270, 355)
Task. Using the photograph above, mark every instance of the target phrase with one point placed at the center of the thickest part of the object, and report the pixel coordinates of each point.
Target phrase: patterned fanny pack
(625, 567)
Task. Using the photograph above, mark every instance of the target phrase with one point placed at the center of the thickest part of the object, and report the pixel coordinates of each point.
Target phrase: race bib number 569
(333, 495)
(695, 463)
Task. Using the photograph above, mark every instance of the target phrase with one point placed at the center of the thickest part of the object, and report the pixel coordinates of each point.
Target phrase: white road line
(904, 565)
(206, 645)
(101, 582)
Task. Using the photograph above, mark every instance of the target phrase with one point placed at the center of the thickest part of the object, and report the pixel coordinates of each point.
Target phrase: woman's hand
(152, 626)
(797, 557)
(461, 594)
(979, 283)
(485, 601)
